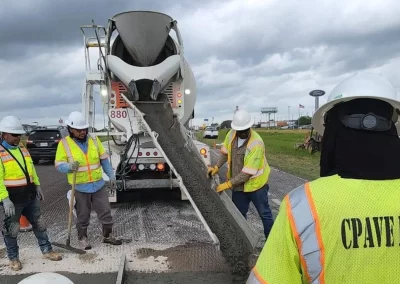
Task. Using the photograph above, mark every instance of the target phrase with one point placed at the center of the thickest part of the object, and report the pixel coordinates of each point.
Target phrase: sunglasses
(15, 135)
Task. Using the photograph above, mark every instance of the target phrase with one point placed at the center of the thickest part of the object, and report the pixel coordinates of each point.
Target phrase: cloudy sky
(250, 53)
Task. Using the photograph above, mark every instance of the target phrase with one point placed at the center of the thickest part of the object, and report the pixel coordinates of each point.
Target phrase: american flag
(301, 106)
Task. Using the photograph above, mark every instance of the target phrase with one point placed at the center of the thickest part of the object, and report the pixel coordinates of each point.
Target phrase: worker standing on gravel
(85, 154)
(20, 192)
(248, 169)
(344, 226)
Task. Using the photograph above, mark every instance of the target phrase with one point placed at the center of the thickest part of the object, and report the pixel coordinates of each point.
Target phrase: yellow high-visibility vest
(89, 163)
(255, 162)
(13, 174)
(334, 230)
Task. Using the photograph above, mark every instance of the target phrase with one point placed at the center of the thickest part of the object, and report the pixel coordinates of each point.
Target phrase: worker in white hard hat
(85, 154)
(248, 169)
(20, 192)
(344, 227)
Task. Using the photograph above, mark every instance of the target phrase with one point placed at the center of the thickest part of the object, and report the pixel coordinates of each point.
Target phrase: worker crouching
(343, 227)
(248, 171)
(85, 154)
(20, 193)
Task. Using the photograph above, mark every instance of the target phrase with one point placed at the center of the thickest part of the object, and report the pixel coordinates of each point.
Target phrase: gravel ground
(189, 261)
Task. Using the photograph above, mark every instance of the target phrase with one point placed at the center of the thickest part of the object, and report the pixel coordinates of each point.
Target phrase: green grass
(281, 153)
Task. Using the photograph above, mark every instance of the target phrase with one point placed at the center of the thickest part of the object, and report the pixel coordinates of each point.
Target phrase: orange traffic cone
(24, 224)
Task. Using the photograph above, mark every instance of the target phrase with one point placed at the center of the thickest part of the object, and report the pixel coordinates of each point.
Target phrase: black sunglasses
(15, 135)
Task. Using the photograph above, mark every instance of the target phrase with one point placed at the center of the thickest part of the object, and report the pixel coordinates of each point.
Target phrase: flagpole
(298, 120)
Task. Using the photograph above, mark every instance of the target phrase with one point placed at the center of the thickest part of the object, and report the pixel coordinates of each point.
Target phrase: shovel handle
(71, 207)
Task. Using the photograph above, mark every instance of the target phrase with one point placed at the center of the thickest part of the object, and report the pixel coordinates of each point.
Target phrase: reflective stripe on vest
(303, 219)
(7, 159)
(254, 278)
(306, 228)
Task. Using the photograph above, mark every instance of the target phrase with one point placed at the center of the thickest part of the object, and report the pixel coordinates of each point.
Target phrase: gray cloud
(246, 53)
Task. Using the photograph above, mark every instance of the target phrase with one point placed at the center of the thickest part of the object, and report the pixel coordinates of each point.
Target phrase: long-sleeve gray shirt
(238, 177)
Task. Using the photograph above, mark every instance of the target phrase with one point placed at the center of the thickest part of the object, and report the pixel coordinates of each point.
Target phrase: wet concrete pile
(233, 244)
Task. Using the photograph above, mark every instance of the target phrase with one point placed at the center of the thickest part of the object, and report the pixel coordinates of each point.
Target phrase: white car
(210, 132)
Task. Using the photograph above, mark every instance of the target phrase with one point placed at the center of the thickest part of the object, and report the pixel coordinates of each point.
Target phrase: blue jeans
(31, 210)
(260, 200)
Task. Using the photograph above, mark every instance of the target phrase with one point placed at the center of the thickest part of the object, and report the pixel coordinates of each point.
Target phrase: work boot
(15, 265)
(107, 236)
(84, 243)
(112, 241)
(52, 255)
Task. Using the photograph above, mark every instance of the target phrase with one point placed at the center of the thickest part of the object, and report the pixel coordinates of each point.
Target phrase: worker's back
(359, 223)
(334, 230)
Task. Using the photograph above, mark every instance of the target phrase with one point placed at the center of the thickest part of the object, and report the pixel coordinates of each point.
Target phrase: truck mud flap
(235, 244)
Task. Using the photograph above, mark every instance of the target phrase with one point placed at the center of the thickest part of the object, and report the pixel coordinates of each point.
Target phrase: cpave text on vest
(370, 232)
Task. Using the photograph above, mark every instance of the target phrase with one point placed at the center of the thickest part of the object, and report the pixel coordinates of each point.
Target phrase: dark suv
(42, 142)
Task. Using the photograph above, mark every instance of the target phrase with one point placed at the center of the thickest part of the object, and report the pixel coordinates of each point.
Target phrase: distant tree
(226, 124)
(304, 120)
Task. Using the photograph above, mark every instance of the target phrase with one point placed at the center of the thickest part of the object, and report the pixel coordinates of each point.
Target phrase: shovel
(67, 245)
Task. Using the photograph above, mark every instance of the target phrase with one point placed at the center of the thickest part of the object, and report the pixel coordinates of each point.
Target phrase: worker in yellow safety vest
(248, 171)
(85, 154)
(344, 227)
(20, 192)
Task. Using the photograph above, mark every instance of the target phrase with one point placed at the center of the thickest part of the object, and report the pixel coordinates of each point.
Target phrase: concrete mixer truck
(139, 67)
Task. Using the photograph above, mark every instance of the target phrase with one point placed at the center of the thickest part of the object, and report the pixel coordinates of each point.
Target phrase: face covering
(360, 154)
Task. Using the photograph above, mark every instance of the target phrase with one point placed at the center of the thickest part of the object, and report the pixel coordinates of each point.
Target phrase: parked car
(42, 142)
(210, 132)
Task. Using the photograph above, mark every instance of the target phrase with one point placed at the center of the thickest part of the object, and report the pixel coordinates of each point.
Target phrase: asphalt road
(168, 243)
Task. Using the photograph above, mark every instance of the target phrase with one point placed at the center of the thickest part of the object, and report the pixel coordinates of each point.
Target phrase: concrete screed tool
(67, 245)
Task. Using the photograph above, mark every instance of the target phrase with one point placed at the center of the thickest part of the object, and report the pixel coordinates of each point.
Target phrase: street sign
(206, 119)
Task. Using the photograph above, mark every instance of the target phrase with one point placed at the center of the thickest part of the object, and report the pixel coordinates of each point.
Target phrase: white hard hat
(358, 86)
(11, 124)
(46, 278)
(241, 120)
(77, 120)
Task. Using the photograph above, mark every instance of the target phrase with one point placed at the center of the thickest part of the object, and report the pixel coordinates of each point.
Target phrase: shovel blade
(67, 247)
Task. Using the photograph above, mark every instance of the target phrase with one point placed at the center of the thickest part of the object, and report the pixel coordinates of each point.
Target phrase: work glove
(212, 171)
(39, 192)
(9, 207)
(74, 166)
(113, 183)
(224, 186)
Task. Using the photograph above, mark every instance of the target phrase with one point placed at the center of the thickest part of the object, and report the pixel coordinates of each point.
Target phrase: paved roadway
(165, 234)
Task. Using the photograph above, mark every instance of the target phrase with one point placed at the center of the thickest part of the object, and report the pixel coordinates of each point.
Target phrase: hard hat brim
(86, 125)
(14, 131)
(244, 127)
(317, 120)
